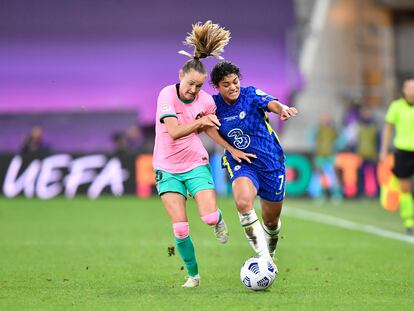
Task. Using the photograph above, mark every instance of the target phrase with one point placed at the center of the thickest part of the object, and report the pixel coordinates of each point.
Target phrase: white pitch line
(339, 222)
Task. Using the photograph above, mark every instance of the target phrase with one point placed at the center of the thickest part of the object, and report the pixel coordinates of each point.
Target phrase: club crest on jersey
(242, 115)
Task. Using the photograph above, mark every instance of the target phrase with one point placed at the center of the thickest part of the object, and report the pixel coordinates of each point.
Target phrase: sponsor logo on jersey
(165, 107)
(237, 167)
(241, 140)
(230, 118)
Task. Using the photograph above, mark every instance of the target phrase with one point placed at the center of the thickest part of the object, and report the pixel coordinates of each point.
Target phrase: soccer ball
(258, 273)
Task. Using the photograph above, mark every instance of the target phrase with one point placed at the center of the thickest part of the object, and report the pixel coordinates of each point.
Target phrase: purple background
(115, 56)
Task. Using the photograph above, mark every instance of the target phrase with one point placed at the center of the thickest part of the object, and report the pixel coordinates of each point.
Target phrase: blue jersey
(244, 125)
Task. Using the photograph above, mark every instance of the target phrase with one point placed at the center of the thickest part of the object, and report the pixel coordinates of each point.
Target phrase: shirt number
(282, 179)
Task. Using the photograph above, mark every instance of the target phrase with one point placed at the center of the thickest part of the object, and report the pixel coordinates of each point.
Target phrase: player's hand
(240, 155)
(209, 120)
(286, 112)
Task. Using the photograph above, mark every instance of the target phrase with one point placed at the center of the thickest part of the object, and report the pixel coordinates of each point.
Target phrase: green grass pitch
(111, 254)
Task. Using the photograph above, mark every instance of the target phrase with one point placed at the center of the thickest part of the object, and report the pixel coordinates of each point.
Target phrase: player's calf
(272, 237)
(254, 233)
(185, 248)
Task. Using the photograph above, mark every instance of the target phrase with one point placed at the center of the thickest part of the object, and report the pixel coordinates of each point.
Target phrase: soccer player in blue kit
(244, 124)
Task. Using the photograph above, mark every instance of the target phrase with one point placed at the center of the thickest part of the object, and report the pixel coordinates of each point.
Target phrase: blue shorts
(270, 185)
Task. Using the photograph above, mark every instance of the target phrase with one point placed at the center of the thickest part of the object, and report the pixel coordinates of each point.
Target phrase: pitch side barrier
(63, 174)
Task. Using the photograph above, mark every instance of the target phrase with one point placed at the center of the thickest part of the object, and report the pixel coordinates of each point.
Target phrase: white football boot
(192, 281)
(220, 230)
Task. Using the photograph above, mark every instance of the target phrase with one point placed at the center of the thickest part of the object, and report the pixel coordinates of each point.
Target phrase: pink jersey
(183, 154)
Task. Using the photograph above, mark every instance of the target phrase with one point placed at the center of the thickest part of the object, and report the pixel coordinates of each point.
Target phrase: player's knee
(181, 230)
(405, 186)
(212, 218)
(272, 224)
(243, 204)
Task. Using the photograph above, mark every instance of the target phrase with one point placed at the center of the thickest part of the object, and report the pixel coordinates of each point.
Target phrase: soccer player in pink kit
(180, 160)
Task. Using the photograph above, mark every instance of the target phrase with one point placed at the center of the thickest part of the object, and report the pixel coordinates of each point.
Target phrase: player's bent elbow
(174, 132)
(175, 135)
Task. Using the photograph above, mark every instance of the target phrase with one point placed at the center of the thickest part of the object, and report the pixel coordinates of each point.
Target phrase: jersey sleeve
(392, 113)
(260, 98)
(165, 106)
(210, 105)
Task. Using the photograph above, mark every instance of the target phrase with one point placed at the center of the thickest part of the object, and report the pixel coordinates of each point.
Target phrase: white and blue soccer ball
(258, 273)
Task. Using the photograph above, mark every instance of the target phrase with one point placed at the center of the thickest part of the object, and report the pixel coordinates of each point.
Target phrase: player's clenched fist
(287, 112)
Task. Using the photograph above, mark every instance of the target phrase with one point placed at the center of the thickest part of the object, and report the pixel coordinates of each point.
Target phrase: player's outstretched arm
(177, 130)
(237, 154)
(285, 112)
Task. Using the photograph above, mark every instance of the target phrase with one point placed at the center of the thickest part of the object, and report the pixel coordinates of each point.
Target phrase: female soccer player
(244, 124)
(180, 160)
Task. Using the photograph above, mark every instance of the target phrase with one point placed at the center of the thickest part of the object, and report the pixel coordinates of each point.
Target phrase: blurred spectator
(350, 126)
(367, 149)
(134, 138)
(120, 145)
(325, 181)
(33, 143)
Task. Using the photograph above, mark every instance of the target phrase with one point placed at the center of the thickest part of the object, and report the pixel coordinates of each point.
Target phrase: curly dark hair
(223, 69)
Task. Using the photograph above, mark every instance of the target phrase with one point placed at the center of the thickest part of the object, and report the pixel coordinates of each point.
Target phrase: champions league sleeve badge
(260, 93)
(165, 107)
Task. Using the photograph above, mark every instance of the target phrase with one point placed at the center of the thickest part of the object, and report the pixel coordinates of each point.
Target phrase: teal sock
(220, 216)
(186, 250)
